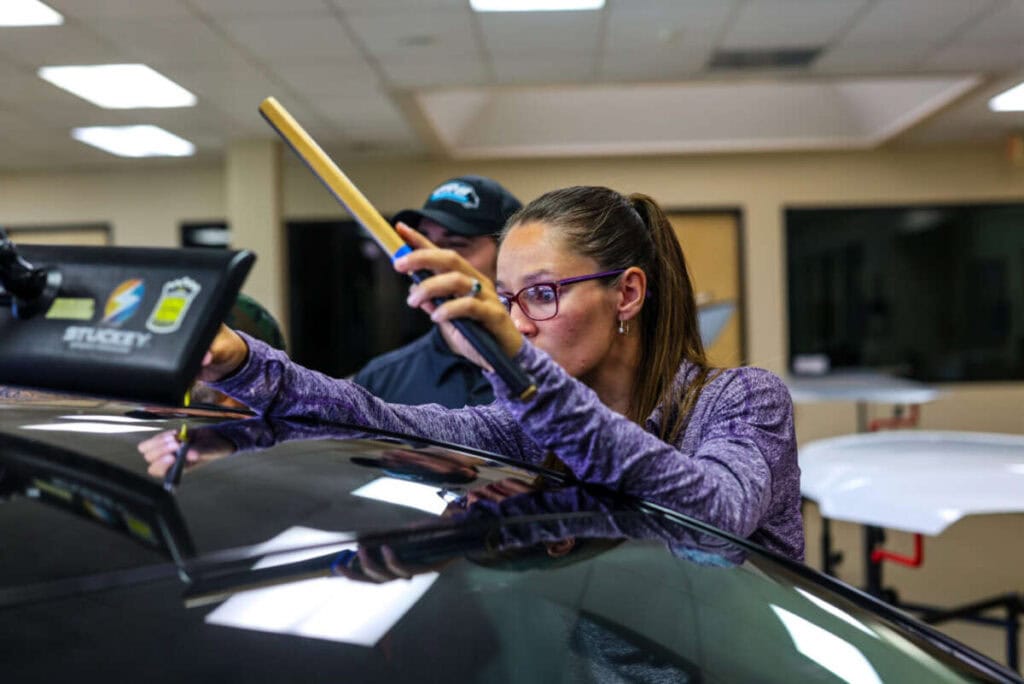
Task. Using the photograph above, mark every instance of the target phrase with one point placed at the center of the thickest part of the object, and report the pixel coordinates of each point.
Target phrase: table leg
(873, 538)
(862, 417)
(829, 558)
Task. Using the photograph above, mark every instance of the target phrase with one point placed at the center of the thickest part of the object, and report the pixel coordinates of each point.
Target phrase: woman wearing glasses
(593, 299)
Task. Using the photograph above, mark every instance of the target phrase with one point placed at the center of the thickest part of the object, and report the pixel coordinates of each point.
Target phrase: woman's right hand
(452, 279)
(227, 353)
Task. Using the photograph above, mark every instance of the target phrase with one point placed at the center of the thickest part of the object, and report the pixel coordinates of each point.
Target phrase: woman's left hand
(454, 277)
(204, 446)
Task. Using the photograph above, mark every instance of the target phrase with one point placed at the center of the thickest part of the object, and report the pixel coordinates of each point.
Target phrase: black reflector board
(128, 322)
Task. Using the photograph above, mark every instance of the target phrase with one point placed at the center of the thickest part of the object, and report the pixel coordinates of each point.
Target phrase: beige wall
(145, 206)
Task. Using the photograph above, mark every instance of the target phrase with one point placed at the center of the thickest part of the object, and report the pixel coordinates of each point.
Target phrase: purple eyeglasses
(540, 301)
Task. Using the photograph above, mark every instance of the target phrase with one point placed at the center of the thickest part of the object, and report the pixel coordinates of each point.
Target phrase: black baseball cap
(467, 205)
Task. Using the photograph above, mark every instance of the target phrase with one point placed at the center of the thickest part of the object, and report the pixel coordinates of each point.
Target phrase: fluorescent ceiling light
(404, 493)
(93, 428)
(1011, 100)
(106, 419)
(135, 141)
(534, 5)
(119, 86)
(28, 13)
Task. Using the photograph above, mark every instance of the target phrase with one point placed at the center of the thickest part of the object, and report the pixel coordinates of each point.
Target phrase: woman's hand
(454, 277)
(227, 353)
(380, 564)
(204, 445)
(499, 491)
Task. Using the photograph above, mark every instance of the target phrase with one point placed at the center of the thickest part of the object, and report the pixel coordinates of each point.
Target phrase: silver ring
(474, 289)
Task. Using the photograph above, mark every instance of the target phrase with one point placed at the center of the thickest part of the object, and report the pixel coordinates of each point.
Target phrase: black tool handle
(173, 476)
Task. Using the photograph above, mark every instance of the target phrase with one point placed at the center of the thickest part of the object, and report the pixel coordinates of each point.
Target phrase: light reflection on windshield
(333, 608)
(836, 655)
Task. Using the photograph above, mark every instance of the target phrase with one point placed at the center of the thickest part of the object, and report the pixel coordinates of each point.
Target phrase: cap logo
(460, 193)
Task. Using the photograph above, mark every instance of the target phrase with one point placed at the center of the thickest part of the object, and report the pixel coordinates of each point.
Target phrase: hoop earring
(623, 327)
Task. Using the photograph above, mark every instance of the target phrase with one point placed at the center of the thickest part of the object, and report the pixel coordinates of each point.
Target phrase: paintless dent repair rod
(366, 214)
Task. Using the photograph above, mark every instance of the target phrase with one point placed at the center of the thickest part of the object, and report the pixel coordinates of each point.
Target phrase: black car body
(262, 565)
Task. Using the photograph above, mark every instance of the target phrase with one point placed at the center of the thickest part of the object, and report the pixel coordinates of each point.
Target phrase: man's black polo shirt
(426, 371)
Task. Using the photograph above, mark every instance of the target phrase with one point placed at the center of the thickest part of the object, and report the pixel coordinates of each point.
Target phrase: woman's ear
(632, 292)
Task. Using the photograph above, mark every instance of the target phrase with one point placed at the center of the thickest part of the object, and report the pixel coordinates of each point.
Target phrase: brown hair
(618, 232)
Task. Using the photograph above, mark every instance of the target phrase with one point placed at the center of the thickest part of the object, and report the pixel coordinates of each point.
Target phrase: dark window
(929, 292)
(347, 304)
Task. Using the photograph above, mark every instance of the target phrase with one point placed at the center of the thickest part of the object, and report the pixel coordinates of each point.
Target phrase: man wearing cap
(464, 214)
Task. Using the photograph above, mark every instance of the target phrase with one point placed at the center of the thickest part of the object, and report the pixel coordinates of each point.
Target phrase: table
(919, 481)
(863, 387)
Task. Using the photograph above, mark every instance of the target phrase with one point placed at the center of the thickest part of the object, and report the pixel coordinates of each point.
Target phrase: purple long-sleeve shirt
(734, 466)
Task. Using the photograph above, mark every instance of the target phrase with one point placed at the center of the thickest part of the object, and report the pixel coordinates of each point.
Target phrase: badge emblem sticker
(124, 301)
(72, 309)
(175, 299)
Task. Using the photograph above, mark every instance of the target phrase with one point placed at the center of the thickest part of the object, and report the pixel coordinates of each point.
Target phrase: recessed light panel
(1011, 100)
(28, 13)
(119, 86)
(534, 5)
(135, 141)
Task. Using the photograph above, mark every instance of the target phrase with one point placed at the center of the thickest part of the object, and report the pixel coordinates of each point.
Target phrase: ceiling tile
(391, 5)
(654, 64)
(349, 78)
(523, 69)
(891, 57)
(1003, 25)
(22, 85)
(233, 91)
(353, 111)
(635, 28)
(85, 115)
(121, 9)
(645, 42)
(300, 36)
(376, 117)
(367, 124)
(216, 79)
(248, 8)
(541, 33)
(53, 151)
(37, 46)
(914, 21)
(993, 56)
(414, 34)
(174, 41)
(790, 23)
(424, 73)
(15, 123)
